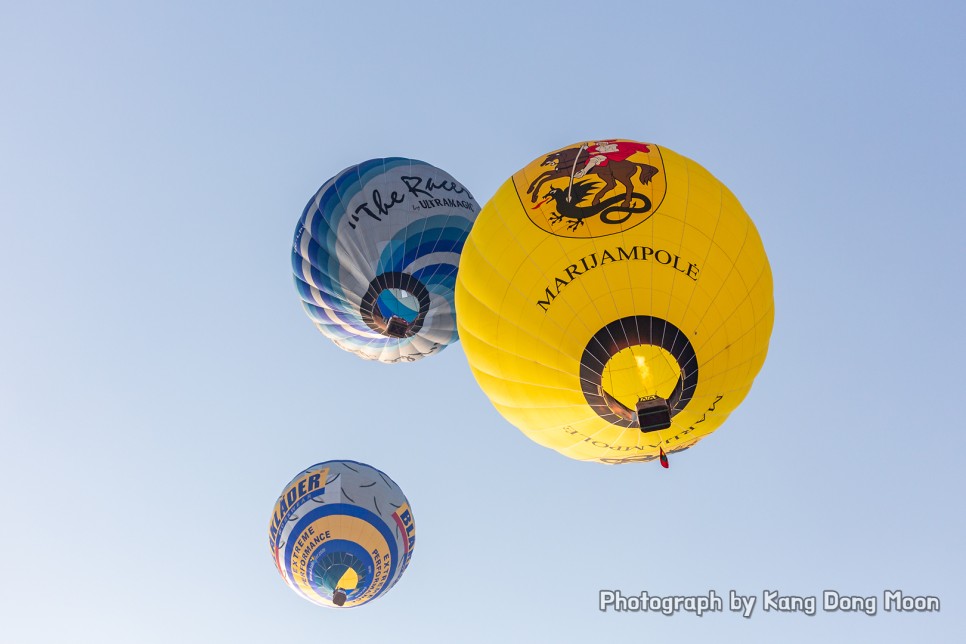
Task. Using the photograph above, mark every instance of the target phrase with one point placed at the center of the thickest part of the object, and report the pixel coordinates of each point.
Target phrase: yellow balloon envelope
(608, 284)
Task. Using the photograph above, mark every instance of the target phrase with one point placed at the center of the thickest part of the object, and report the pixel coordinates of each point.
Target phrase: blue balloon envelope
(375, 257)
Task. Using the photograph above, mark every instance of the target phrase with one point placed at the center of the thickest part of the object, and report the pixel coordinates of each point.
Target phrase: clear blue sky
(159, 383)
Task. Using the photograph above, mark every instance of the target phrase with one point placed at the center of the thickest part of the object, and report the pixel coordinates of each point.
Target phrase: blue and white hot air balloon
(341, 534)
(375, 258)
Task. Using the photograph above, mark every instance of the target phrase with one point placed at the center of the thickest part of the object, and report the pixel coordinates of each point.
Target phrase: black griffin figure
(575, 214)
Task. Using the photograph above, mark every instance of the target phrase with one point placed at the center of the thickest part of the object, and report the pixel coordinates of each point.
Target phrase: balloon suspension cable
(573, 170)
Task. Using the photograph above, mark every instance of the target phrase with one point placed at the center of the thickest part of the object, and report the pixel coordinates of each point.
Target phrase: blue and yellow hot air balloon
(614, 301)
(375, 258)
(341, 534)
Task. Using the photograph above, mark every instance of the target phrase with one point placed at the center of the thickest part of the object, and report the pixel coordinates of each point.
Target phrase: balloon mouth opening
(650, 413)
(339, 573)
(634, 360)
(398, 303)
(395, 305)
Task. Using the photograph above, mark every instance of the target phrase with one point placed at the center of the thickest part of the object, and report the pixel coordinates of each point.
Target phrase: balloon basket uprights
(653, 413)
(397, 327)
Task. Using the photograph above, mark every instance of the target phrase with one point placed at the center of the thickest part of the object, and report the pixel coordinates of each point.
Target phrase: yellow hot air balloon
(614, 301)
